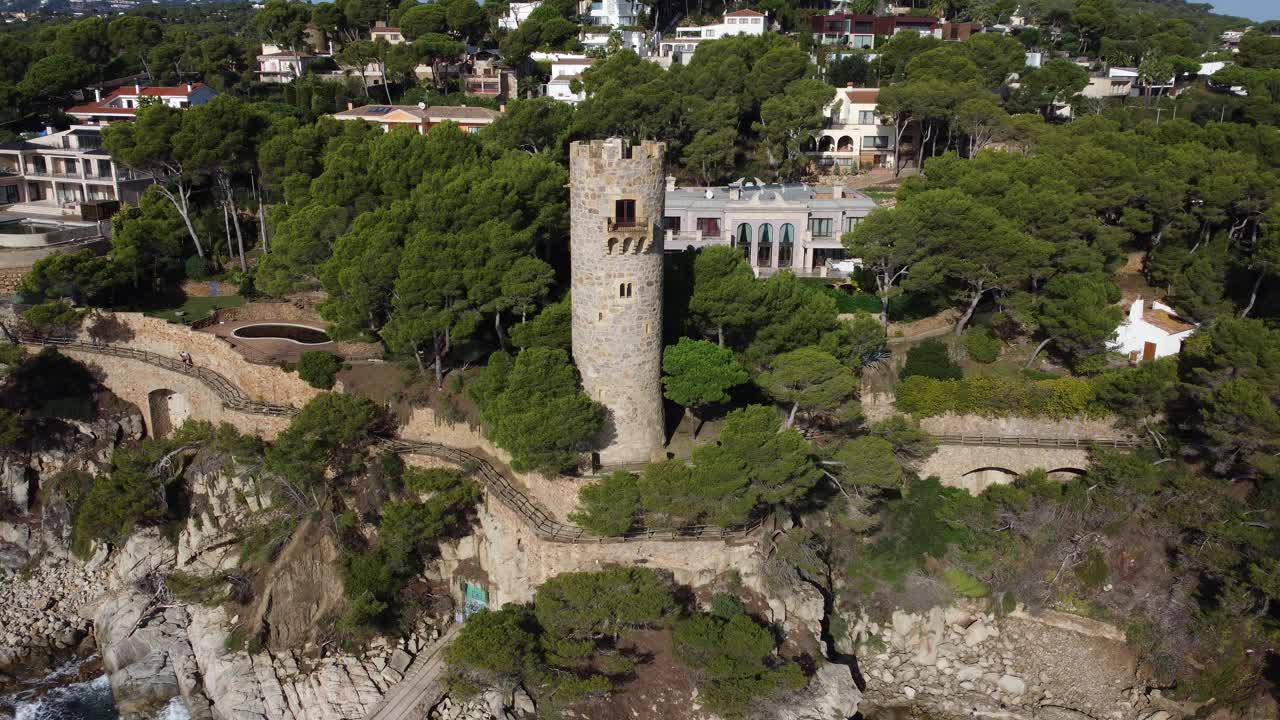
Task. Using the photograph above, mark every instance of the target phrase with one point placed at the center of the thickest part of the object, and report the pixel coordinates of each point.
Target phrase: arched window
(744, 240)
(628, 289)
(622, 290)
(845, 144)
(613, 245)
(764, 256)
(784, 245)
(626, 245)
(826, 143)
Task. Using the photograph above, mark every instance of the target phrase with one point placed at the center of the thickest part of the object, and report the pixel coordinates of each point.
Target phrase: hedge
(1059, 398)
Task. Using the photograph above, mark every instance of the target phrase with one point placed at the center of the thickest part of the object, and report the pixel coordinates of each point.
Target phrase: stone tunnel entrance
(168, 409)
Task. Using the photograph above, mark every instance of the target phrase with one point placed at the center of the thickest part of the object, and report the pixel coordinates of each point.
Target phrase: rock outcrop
(962, 661)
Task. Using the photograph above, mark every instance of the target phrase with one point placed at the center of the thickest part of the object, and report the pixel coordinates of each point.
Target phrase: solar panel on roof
(379, 110)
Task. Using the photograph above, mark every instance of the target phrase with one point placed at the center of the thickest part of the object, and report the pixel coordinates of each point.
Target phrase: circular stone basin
(300, 334)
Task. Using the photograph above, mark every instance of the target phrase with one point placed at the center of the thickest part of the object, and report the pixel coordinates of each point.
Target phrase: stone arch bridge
(976, 462)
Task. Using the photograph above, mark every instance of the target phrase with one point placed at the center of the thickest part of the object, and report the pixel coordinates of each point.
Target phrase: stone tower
(616, 204)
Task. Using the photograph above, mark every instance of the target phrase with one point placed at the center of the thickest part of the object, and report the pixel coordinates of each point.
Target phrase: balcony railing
(617, 224)
(676, 241)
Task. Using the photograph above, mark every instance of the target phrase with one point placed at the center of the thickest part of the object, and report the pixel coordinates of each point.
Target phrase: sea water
(88, 700)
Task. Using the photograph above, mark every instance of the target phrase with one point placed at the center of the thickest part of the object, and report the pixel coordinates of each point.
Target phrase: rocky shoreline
(40, 622)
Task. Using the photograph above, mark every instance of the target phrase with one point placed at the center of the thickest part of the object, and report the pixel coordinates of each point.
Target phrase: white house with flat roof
(55, 174)
(792, 226)
(613, 13)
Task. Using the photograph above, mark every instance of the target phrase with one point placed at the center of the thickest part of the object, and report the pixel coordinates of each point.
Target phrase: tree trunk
(497, 326)
(791, 416)
(1253, 296)
(226, 225)
(720, 335)
(180, 204)
(884, 308)
(973, 305)
(386, 85)
(417, 355)
(235, 220)
(1036, 353)
(259, 198)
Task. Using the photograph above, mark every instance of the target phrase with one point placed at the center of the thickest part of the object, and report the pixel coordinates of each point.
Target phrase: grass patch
(197, 308)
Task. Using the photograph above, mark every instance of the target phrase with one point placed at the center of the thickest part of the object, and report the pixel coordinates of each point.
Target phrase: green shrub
(963, 584)
(1008, 602)
(725, 606)
(126, 498)
(608, 507)
(208, 590)
(736, 658)
(319, 368)
(982, 345)
(996, 397)
(930, 359)
(196, 268)
(1093, 571)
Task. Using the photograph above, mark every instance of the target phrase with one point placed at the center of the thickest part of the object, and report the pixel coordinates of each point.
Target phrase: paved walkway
(420, 689)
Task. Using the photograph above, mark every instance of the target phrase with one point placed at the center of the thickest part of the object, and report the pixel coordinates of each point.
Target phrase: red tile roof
(744, 13)
(100, 107)
(862, 95)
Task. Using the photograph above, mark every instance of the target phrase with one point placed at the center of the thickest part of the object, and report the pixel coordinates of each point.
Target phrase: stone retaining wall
(258, 382)
(516, 561)
(558, 496)
(133, 381)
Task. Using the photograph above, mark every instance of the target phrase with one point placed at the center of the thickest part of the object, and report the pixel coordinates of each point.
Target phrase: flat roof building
(792, 226)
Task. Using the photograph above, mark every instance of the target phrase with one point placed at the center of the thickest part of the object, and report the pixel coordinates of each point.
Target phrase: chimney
(188, 88)
(351, 106)
(48, 130)
(502, 108)
(97, 94)
(671, 183)
(735, 192)
(137, 89)
(849, 85)
(837, 192)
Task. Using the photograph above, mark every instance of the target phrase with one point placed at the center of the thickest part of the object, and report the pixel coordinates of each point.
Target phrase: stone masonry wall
(258, 382)
(955, 465)
(133, 381)
(617, 292)
(516, 561)
(557, 496)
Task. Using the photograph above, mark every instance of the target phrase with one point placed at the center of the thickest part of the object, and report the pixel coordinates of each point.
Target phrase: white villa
(613, 13)
(855, 136)
(681, 46)
(776, 226)
(55, 174)
(1151, 332)
(123, 103)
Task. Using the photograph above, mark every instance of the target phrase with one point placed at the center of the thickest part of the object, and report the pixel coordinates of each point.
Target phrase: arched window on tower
(764, 257)
(744, 240)
(626, 245)
(785, 243)
(613, 245)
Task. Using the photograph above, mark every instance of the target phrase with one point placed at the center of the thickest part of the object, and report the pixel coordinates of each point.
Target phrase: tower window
(624, 290)
(624, 213)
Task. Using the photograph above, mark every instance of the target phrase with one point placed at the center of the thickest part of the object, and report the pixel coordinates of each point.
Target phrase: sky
(1252, 9)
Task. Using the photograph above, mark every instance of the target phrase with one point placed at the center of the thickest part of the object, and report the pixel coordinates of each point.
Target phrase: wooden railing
(1039, 442)
(545, 526)
(230, 395)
